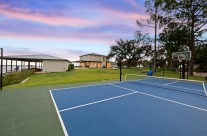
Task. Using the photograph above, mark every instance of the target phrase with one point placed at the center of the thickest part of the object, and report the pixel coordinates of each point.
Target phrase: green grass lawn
(86, 75)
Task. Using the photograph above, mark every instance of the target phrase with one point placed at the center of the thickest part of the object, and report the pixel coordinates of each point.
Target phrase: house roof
(79, 61)
(93, 54)
(38, 57)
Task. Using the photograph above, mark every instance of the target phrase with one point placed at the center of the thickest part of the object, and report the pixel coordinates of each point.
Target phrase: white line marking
(170, 83)
(82, 86)
(204, 87)
(161, 98)
(97, 102)
(59, 116)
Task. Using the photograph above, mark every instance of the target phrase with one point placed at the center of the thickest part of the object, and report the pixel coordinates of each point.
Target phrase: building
(41, 63)
(94, 60)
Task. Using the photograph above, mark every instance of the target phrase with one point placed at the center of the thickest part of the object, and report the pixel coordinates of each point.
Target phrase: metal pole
(1, 68)
(183, 69)
(120, 70)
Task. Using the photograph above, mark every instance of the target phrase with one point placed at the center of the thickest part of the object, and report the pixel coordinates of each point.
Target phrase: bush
(70, 67)
(17, 77)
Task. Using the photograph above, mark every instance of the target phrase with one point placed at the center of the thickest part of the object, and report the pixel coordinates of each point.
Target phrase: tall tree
(131, 50)
(155, 11)
(193, 14)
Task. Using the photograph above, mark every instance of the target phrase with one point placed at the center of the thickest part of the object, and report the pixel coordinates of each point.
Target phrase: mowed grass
(75, 76)
(86, 75)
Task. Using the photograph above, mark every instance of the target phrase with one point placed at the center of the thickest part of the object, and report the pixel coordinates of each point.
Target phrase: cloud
(11, 50)
(69, 54)
(107, 25)
(29, 15)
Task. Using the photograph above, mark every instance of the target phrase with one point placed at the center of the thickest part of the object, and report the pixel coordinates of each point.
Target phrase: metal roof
(38, 57)
(93, 54)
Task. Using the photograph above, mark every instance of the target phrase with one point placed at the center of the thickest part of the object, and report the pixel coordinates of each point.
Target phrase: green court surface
(30, 112)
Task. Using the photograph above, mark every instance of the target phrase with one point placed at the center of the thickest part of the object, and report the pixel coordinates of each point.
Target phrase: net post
(120, 71)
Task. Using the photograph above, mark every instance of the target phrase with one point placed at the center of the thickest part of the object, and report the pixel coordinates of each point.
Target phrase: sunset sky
(67, 28)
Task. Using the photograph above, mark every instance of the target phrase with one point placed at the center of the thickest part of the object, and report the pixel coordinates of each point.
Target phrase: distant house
(41, 62)
(94, 60)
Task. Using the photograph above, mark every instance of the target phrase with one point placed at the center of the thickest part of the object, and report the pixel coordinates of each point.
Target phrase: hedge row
(17, 77)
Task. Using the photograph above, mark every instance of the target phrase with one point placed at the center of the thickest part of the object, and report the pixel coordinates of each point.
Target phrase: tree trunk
(192, 45)
(155, 44)
(128, 63)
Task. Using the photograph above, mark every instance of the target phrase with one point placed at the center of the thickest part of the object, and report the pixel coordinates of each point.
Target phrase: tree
(201, 57)
(155, 11)
(131, 50)
(192, 14)
(174, 38)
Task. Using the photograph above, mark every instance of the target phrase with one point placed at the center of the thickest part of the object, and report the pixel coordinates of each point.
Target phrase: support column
(21, 65)
(35, 65)
(16, 65)
(6, 65)
(11, 66)
(28, 65)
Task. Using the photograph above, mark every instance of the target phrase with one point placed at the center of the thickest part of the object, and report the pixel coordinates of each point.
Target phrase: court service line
(170, 83)
(161, 98)
(134, 92)
(59, 116)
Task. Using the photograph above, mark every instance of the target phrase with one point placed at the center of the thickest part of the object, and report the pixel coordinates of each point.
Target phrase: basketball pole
(180, 69)
(187, 68)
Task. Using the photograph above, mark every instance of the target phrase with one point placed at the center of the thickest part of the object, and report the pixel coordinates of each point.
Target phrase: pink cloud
(99, 38)
(26, 14)
(130, 15)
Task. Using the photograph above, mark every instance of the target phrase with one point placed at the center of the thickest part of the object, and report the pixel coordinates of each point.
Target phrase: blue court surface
(136, 108)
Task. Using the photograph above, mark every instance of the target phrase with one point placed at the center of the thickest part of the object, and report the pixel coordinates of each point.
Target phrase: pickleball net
(193, 87)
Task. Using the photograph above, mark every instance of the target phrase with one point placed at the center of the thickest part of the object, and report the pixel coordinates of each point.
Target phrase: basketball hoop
(181, 58)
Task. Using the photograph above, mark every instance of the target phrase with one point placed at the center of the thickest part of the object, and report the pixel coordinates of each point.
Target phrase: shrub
(70, 67)
(17, 77)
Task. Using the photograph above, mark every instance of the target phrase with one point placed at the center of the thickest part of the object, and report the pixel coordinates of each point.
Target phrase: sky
(67, 28)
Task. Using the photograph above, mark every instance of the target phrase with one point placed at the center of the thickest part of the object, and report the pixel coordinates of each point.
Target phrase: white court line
(174, 86)
(170, 83)
(204, 87)
(161, 98)
(59, 116)
(83, 86)
(97, 102)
